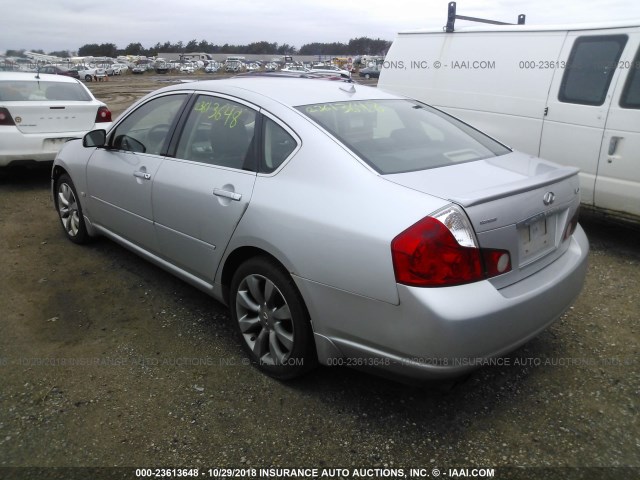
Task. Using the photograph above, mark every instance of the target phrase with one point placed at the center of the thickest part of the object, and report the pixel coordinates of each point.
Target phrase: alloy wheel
(265, 320)
(68, 209)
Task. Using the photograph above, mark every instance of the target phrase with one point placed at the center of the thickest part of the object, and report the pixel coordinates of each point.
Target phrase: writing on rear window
(397, 136)
(346, 107)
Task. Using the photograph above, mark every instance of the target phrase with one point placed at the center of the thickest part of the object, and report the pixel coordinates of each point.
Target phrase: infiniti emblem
(548, 198)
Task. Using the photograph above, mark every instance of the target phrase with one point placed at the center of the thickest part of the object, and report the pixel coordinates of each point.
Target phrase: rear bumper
(19, 147)
(444, 332)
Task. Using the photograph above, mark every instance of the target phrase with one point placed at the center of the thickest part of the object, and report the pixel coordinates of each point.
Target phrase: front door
(120, 177)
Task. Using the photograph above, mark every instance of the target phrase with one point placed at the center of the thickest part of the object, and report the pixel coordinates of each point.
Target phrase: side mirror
(95, 138)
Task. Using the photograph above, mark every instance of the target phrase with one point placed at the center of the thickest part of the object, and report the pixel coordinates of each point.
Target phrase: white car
(296, 69)
(187, 68)
(212, 67)
(39, 113)
(90, 74)
(116, 69)
(121, 68)
(330, 70)
(234, 66)
(85, 72)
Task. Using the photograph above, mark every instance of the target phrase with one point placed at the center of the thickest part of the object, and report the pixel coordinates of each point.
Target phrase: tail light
(5, 117)
(441, 250)
(103, 115)
(571, 226)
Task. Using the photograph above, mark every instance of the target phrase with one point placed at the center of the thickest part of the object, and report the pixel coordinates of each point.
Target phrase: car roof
(290, 91)
(33, 76)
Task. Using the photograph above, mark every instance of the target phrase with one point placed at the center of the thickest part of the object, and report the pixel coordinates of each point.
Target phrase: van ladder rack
(451, 19)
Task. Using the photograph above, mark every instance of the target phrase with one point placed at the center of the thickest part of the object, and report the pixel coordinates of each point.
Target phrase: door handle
(219, 192)
(613, 144)
(143, 175)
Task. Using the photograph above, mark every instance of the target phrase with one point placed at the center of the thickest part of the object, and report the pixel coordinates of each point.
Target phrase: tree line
(360, 46)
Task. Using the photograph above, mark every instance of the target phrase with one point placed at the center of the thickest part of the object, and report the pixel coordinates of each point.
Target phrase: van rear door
(617, 185)
(579, 100)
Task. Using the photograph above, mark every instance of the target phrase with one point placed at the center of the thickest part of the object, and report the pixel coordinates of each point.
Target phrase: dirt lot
(106, 360)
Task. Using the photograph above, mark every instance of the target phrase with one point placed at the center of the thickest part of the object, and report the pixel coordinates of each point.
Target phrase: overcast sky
(68, 24)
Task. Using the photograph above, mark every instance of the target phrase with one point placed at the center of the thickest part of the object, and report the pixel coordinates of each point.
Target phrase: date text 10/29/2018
(277, 472)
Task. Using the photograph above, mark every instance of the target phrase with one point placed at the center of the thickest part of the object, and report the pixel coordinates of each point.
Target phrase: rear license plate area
(536, 238)
(54, 144)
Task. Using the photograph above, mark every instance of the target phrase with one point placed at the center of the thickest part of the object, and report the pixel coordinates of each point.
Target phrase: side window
(146, 129)
(278, 145)
(590, 68)
(631, 93)
(219, 132)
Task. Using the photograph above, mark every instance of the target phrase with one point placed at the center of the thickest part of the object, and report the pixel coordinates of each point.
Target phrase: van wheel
(70, 211)
(272, 319)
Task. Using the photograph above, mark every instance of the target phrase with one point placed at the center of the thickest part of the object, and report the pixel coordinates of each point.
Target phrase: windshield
(396, 136)
(31, 91)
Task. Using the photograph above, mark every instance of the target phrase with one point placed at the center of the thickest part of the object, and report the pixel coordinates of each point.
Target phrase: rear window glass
(396, 136)
(33, 91)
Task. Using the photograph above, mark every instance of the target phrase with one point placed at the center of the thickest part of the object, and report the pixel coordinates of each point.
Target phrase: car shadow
(32, 177)
(443, 408)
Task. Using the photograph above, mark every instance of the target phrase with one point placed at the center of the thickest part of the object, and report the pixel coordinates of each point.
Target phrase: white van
(570, 94)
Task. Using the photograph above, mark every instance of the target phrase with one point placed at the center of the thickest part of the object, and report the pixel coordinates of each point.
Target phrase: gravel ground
(106, 360)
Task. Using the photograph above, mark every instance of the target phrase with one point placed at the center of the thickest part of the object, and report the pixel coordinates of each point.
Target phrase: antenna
(349, 88)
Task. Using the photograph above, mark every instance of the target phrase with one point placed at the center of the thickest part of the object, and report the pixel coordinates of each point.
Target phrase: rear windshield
(32, 91)
(396, 136)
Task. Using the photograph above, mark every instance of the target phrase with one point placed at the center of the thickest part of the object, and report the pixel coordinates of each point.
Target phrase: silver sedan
(342, 225)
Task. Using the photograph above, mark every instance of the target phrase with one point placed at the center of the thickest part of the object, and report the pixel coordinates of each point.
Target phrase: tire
(272, 319)
(88, 78)
(70, 210)
(367, 76)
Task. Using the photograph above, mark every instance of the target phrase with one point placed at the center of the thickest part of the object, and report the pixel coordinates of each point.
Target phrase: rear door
(618, 181)
(579, 100)
(120, 178)
(200, 195)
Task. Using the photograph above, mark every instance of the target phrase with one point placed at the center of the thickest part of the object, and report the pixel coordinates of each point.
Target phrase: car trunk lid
(515, 202)
(42, 105)
(53, 116)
